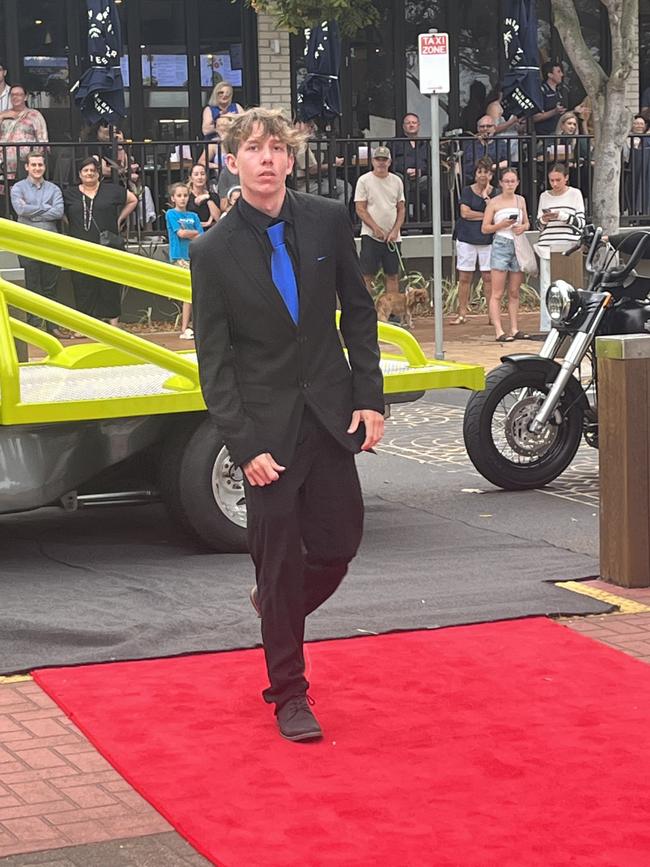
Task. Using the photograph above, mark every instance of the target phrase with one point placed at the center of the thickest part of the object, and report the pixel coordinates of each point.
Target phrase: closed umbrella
(319, 95)
(522, 89)
(99, 93)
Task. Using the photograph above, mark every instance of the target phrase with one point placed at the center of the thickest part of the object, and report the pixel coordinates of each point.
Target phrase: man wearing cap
(379, 200)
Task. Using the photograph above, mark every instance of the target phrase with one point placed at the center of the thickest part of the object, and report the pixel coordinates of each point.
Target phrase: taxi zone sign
(433, 51)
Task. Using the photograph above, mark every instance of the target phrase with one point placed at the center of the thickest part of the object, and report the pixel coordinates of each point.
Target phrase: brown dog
(401, 304)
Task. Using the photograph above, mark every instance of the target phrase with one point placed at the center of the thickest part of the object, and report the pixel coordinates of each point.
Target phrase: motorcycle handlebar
(617, 275)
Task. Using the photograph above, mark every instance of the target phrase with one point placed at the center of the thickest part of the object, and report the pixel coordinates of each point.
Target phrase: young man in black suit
(291, 409)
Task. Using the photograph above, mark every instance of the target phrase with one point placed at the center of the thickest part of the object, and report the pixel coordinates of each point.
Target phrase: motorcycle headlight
(561, 299)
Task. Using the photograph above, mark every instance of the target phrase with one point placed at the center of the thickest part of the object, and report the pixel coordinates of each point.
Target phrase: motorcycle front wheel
(496, 429)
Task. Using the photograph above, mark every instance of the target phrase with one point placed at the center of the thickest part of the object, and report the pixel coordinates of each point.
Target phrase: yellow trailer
(87, 421)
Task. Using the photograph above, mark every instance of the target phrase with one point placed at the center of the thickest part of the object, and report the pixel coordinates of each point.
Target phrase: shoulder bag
(525, 255)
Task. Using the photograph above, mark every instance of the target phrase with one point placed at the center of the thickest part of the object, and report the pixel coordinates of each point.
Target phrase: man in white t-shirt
(379, 201)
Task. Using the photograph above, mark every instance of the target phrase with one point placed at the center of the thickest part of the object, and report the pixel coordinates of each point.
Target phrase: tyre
(201, 488)
(497, 437)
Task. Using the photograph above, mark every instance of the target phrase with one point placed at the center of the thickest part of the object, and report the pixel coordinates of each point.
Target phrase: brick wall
(274, 65)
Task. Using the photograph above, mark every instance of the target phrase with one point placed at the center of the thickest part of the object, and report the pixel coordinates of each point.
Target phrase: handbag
(526, 255)
(111, 239)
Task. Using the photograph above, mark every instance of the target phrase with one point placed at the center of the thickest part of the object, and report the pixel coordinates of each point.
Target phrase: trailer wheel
(202, 489)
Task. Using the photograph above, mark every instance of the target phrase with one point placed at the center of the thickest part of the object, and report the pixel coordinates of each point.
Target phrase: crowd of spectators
(102, 188)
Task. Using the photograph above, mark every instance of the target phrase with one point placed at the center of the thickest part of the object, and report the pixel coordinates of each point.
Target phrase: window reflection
(44, 52)
(221, 49)
(165, 69)
(372, 66)
(478, 54)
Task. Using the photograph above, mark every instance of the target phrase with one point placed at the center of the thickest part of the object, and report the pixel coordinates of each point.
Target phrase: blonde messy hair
(268, 122)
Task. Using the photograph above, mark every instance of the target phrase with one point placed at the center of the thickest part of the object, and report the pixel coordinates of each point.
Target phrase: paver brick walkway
(62, 805)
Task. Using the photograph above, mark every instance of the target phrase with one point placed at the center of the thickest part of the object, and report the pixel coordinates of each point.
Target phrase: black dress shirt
(259, 222)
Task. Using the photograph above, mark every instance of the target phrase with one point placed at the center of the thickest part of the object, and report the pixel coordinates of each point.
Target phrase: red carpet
(513, 743)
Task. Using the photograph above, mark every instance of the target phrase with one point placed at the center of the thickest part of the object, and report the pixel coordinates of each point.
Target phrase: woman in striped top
(560, 212)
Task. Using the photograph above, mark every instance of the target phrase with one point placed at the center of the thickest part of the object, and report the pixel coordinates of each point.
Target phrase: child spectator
(231, 199)
(182, 226)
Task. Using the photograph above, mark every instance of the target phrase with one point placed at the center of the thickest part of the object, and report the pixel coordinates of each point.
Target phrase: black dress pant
(303, 530)
(95, 297)
(40, 277)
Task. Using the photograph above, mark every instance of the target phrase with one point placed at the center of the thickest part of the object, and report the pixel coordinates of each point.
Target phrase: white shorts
(466, 255)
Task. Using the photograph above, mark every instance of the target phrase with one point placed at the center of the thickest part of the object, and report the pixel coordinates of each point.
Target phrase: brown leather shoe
(296, 720)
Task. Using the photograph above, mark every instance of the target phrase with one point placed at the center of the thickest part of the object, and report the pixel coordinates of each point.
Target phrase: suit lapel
(308, 242)
(254, 267)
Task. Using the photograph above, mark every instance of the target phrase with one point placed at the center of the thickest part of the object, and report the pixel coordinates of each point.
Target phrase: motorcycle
(524, 429)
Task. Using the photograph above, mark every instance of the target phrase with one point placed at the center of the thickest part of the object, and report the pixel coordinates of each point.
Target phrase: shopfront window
(372, 76)
(164, 69)
(45, 72)
(221, 48)
(479, 44)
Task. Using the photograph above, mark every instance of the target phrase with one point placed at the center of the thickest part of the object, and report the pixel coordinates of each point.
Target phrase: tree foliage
(296, 15)
(607, 93)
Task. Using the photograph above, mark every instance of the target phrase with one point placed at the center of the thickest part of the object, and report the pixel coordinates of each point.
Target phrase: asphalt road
(441, 547)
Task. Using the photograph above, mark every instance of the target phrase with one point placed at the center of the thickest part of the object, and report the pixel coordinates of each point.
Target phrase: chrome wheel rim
(228, 488)
(511, 428)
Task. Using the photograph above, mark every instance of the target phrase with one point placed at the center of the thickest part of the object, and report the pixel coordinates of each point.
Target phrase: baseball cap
(381, 151)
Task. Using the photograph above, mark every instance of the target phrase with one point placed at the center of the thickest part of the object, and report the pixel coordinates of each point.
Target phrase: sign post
(433, 50)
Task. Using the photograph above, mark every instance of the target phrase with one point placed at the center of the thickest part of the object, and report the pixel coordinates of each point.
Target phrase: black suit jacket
(258, 369)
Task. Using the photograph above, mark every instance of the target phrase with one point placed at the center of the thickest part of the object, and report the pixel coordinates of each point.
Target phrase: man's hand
(411, 172)
(393, 235)
(379, 234)
(374, 422)
(262, 470)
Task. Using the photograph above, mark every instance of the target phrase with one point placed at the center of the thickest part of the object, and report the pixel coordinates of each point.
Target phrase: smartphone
(514, 216)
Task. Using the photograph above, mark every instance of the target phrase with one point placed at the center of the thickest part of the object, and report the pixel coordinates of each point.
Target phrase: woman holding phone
(506, 216)
(561, 211)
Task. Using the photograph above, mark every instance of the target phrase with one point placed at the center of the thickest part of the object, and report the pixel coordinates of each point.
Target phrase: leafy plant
(146, 319)
(528, 297)
(296, 15)
(177, 313)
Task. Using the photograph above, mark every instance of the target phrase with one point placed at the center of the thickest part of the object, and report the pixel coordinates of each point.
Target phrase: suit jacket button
(305, 385)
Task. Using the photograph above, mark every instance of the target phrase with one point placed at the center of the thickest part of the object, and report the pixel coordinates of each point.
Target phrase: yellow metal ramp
(122, 374)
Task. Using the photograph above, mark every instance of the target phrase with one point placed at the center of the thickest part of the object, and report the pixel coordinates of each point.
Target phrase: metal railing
(333, 167)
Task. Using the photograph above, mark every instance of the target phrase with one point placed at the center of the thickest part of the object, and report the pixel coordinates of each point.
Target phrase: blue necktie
(282, 270)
